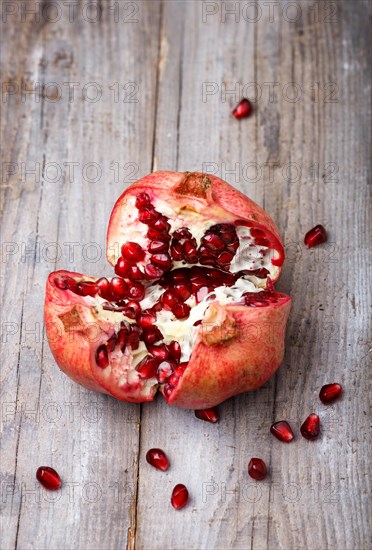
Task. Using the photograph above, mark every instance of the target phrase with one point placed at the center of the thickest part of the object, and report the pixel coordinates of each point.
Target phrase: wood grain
(303, 155)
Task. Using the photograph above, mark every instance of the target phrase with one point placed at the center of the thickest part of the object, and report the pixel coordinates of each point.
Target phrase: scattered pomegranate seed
(243, 109)
(158, 459)
(316, 235)
(209, 415)
(180, 496)
(311, 427)
(282, 431)
(257, 469)
(330, 392)
(48, 478)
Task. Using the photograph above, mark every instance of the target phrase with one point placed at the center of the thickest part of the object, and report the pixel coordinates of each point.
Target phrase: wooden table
(96, 96)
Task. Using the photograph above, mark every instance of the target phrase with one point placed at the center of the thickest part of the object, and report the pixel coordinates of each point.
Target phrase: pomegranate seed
(104, 288)
(311, 427)
(213, 242)
(176, 251)
(180, 496)
(181, 311)
(134, 273)
(160, 351)
(158, 459)
(132, 310)
(256, 233)
(182, 233)
(87, 288)
(282, 431)
(111, 343)
(148, 367)
(48, 478)
(154, 235)
(121, 267)
(243, 109)
(190, 252)
(136, 291)
(158, 246)
(169, 300)
(162, 260)
(316, 235)
(165, 370)
(153, 271)
(132, 252)
(148, 215)
(118, 288)
(122, 338)
(175, 350)
(142, 200)
(133, 340)
(330, 392)
(182, 291)
(209, 415)
(71, 284)
(146, 320)
(257, 469)
(102, 357)
(152, 335)
(160, 224)
(61, 283)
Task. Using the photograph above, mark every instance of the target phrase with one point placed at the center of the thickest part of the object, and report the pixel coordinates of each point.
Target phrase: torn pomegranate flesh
(158, 459)
(257, 469)
(282, 431)
(310, 429)
(316, 235)
(180, 496)
(330, 392)
(48, 478)
(179, 272)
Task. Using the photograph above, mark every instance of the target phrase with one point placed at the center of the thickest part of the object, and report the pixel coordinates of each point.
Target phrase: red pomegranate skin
(244, 350)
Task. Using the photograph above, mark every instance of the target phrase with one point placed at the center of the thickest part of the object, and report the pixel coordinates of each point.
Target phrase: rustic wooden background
(97, 95)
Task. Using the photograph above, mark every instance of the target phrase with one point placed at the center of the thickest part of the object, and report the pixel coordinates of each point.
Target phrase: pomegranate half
(191, 310)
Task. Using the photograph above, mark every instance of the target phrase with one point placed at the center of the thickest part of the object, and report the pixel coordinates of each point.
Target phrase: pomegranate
(180, 496)
(48, 478)
(310, 429)
(243, 109)
(158, 459)
(192, 309)
(316, 235)
(209, 415)
(282, 431)
(330, 392)
(257, 469)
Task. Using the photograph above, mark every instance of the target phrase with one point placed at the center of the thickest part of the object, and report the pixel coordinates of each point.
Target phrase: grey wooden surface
(147, 90)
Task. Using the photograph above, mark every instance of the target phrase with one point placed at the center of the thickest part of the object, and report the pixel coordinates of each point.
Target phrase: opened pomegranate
(191, 310)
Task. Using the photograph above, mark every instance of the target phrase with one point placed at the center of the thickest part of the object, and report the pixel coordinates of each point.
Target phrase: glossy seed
(330, 392)
(317, 235)
(180, 496)
(310, 429)
(257, 469)
(282, 431)
(158, 459)
(48, 478)
(209, 415)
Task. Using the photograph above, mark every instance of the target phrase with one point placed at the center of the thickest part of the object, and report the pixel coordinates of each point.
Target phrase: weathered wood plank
(73, 430)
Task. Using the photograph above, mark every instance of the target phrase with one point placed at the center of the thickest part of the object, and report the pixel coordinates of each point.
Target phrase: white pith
(248, 256)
